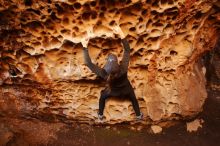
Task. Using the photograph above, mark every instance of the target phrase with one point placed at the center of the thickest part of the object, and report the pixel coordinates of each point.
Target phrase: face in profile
(111, 65)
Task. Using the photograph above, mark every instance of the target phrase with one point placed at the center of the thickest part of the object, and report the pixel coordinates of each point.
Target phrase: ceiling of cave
(40, 39)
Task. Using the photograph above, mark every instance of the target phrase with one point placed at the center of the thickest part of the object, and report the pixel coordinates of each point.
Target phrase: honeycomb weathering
(42, 71)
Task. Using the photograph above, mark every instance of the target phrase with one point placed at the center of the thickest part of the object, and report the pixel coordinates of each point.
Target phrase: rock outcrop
(43, 75)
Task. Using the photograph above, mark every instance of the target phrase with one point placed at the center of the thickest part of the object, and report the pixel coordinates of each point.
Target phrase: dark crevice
(28, 2)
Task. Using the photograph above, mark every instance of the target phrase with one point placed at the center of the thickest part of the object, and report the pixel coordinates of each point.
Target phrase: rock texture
(213, 68)
(42, 73)
(156, 129)
(193, 126)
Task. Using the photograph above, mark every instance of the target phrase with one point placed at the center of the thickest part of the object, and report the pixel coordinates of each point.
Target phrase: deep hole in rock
(28, 2)
(60, 9)
(198, 15)
(93, 3)
(172, 52)
(132, 29)
(112, 22)
(77, 5)
(86, 15)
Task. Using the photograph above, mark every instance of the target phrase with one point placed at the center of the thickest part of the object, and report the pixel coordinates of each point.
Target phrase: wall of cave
(42, 71)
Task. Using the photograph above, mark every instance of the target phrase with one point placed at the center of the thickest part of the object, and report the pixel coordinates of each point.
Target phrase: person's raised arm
(126, 56)
(94, 68)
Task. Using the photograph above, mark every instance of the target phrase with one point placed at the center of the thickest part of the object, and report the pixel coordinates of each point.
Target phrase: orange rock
(167, 38)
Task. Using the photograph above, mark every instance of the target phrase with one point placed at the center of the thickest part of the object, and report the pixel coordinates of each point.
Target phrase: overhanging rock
(42, 71)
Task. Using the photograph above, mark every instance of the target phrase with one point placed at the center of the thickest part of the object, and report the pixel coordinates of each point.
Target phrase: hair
(111, 67)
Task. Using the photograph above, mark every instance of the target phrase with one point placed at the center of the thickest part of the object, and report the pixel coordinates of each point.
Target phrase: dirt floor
(19, 132)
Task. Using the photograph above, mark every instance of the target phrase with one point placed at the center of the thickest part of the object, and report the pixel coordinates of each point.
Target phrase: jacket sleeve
(94, 68)
(126, 56)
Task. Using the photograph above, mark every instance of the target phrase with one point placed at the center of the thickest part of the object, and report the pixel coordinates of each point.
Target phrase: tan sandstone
(43, 75)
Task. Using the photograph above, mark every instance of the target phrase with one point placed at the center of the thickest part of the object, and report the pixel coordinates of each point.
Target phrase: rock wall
(212, 60)
(43, 75)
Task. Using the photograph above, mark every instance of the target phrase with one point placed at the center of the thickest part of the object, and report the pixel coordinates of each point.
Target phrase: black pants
(120, 94)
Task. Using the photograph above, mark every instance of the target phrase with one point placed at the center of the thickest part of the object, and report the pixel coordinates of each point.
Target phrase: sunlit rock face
(43, 74)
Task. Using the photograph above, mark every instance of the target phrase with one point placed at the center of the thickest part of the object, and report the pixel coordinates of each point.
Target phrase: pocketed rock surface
(42, 71)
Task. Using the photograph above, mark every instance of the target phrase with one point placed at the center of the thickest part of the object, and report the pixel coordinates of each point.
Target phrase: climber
(118, 84)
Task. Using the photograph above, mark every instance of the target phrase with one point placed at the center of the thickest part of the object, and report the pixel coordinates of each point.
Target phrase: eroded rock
(43, 74)
(194, 125)
(5, 134)
(156, 129)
